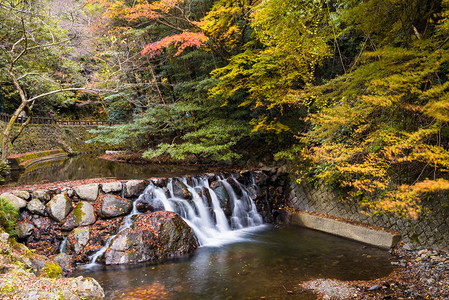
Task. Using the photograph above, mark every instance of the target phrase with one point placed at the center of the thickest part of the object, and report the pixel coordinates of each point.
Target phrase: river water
(88, 166)
(268, 262)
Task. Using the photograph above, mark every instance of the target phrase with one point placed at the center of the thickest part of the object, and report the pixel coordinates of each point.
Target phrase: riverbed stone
(235, 186)
(21, 194)
(110, 206)
(24, 229)
(180, 190)
(35, 206)
(134, 188)
(112, 187)
(42, 195)
(4, 237)
(223, 197)
(14, 200)
(65, 261)
(77, 240)
(144, 206)
(88, 192)
(88, 288)
(59, 207)
(154, 237)
(82, 215)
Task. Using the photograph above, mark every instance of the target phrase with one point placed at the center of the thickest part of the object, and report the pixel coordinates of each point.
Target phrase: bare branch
(34, 74)
(60, 91)
(23, 38)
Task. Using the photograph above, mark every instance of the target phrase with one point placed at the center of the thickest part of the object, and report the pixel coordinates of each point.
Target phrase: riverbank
(26, 275)
(420, 273)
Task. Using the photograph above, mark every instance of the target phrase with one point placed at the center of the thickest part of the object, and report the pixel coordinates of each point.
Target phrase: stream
(239, 259)
(266, 262)
(86, 166)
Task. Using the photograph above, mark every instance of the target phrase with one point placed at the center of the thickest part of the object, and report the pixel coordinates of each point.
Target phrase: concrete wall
(430, 229)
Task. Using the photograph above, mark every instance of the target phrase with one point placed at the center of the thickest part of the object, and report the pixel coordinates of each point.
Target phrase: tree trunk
(7, 132)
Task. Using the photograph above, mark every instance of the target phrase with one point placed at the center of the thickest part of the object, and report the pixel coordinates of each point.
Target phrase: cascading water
(203, 210)
(63, 246)
(205, 215)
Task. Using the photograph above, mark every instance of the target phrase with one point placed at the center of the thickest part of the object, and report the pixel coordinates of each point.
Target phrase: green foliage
(45, 65)
(381, 130)
(8, 216)
(293, 38)
(359, 88)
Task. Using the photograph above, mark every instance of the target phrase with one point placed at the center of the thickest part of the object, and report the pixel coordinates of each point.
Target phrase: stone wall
(431, 229)
(46, 137)
(78, 220)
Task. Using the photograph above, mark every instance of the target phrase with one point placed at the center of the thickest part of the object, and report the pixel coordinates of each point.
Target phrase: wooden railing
(42, 120)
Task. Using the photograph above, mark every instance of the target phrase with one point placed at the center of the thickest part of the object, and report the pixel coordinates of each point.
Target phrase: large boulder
(154, 238)
(36, 207)
(180, 189)
(111, 206)
(42, 195)
(14, 200)
(88, 192)
(88, 288)
(21, 194)
(134, 188)
(77, 240)
(65, 261)
(112, 187)
(59, 207)
(223, 197)
(82, 215)
(24, 229)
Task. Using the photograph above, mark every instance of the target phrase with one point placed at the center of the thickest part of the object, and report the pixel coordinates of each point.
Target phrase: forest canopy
(354, 92)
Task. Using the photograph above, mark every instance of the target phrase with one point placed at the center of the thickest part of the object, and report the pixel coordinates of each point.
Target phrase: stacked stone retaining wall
(51, 136)
(431, 229)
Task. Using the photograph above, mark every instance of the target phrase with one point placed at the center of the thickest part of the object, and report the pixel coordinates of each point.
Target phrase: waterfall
(208, 220)
(63, 246)
(202, 209)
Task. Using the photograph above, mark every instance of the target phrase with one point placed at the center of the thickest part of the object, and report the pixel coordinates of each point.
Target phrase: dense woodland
(354, 92)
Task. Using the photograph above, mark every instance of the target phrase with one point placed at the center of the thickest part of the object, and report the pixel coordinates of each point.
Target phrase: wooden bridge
(42, 120)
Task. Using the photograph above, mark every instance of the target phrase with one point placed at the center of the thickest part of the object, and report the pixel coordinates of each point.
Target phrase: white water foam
(213, 230)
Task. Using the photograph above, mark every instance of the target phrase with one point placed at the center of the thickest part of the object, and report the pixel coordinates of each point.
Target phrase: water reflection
(271, 263)
(91, 166)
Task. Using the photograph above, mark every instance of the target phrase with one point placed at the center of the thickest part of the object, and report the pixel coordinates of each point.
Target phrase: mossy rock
(51, 270)
(82, 215)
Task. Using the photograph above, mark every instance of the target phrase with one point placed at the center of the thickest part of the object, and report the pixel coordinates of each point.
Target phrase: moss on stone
(8, 289)
(78, 212)
(51, 270)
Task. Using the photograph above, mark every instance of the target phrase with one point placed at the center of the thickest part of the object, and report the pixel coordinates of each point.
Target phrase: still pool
(269, 263)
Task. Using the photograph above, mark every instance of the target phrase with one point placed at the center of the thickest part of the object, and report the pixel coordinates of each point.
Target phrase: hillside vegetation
(354, 92)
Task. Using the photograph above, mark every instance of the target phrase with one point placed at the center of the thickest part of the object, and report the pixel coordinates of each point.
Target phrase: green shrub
(8, 216)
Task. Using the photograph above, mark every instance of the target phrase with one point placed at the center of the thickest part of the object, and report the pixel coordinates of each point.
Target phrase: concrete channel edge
(378, 237)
